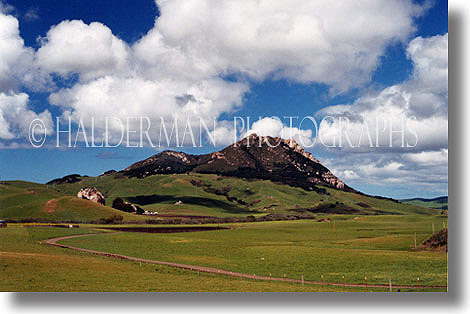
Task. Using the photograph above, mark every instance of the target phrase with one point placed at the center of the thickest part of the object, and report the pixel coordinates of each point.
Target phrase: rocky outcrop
(92, 194)
(121, 205)
(437, 241)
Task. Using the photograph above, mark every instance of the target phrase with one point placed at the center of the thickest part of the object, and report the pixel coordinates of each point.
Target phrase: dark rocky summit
(254, 157)
(72, 178)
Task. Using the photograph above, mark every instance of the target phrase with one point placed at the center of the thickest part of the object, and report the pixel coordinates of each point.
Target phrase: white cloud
(306, 41)
(421, 103)
(17, 70)
(89, 50)
(15, 117)
(410, 173)
(423, 96)
(431, 158)
(119, 97)
(16, 60)
(276, 128)
(176, 68)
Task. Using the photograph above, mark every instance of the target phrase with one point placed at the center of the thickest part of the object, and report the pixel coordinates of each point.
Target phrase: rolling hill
(27, 201)
(436, 203)
(216, 195)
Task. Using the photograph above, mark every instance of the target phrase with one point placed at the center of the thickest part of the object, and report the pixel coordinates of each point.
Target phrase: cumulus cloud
(177, 68)
(89, 50)
(16, 70)
(124, 98)
(430, 158)
(306, 41)
(15, 117)
(422, 102)
(410, 116)
(15, 59)
(148, 79)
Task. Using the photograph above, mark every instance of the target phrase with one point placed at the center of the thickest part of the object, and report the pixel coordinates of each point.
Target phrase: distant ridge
(436, 202)
(439, 199)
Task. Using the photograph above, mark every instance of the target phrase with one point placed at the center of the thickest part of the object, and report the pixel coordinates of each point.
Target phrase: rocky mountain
(254, 157)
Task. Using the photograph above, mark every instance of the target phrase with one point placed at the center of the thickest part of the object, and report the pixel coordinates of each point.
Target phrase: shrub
(118, 203)
(251, 218)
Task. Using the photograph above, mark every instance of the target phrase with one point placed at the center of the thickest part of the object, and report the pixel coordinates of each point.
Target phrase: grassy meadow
(376, 247)
(28, 265)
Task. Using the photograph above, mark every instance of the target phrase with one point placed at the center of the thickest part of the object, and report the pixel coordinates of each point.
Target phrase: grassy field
(161, 192)
(376, 247)
(27, 265)
(376, 242)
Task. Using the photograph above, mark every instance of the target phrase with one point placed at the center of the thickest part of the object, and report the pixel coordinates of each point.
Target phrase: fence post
(390, 284)
(302, 278)
(432, 228)
(343, 282)
(254, 277)
(366, 282)
(284, 277)
(322, 281)
(415, 240)
(419, 288)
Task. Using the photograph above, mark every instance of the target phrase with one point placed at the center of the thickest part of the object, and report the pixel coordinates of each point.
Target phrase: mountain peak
(276, 141)
(253, 157)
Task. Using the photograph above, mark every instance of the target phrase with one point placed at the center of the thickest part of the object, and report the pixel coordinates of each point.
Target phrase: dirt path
(203, 269)
(51, 205)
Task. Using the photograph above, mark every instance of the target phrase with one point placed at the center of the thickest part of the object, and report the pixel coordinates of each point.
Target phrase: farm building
(3, 224)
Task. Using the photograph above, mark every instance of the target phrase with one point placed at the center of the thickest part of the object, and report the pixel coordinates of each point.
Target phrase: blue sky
(265, 94)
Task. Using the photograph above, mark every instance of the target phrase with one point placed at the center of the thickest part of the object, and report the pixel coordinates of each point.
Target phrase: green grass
(27, 265)
(376, 247)
(160, 193)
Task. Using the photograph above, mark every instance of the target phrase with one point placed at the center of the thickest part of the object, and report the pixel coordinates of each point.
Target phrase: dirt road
(203, 269)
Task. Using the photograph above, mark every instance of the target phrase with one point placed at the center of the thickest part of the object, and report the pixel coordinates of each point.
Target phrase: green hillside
(214, 195)
(20, 200)
(200, 194)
